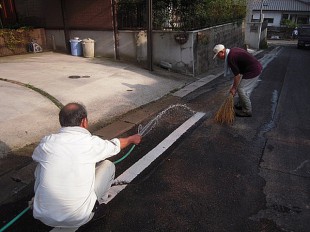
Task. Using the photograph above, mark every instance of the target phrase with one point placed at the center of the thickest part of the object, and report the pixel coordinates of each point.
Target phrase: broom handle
(237, 84)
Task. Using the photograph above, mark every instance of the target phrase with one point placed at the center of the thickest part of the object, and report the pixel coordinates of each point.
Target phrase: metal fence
(132, 15)
(175, 15)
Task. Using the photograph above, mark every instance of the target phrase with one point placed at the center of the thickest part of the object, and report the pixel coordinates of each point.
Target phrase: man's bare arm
(134, 139)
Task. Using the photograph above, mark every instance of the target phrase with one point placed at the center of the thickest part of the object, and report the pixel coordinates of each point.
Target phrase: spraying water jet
(144, 130)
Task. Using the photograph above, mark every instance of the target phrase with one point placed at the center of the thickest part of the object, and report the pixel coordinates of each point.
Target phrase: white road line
(132, 172)
(195, 85)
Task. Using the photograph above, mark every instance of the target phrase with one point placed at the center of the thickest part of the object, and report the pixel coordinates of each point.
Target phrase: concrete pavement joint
(40, 91)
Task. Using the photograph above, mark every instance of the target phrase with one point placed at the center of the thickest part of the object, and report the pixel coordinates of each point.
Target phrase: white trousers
(244, 91)
(104, 177)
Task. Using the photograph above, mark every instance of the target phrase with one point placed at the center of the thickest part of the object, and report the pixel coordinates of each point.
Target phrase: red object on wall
(7, 13)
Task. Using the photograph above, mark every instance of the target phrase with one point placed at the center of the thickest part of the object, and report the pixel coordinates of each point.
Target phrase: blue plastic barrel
(76, 46)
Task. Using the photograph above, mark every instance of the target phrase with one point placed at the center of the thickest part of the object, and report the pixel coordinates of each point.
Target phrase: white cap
(217, 49)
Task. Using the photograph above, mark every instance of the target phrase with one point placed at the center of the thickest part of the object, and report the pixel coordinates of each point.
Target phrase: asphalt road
(251, 176)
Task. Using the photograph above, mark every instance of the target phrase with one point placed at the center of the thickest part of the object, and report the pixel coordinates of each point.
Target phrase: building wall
(276, 16)
(30, 11)
(75, 14)
(94, 14)
(53, 14)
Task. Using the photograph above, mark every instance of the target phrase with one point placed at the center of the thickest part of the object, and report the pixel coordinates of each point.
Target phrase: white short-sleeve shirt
(64, 189)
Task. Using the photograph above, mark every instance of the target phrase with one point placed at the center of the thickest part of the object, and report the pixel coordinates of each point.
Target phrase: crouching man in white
(69, 180)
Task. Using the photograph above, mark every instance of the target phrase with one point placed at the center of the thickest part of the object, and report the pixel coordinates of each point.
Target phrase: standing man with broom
(246, 69)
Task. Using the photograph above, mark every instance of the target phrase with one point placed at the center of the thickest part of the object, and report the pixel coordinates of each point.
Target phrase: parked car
(303, 36)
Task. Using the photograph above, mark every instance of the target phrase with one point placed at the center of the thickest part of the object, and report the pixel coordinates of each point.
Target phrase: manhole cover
(76, 77)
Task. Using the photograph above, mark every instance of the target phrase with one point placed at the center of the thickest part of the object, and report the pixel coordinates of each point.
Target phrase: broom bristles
(226, 113)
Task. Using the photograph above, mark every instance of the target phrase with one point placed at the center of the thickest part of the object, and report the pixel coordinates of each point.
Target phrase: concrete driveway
(34, 86)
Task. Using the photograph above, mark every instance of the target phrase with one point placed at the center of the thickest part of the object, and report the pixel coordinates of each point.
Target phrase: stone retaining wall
(15, 42)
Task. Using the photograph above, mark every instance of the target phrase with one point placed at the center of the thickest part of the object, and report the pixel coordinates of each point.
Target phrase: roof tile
(282, 5)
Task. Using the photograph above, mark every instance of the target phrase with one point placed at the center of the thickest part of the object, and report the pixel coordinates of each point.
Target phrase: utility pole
(248, 22)
(64, 21)
(260, 22)
(149, 35)
(115, 29)
(0, 17)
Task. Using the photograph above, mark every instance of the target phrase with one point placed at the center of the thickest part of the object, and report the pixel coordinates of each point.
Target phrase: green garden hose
(14, 219)
(25, 210)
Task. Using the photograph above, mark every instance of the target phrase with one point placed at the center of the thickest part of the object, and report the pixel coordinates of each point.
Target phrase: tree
(189, 14)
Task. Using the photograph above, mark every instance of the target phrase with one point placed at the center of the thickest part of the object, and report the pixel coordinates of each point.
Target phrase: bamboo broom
(226, 113)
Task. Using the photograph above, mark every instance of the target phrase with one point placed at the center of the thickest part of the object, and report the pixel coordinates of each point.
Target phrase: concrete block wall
(103, 46)
(193, 58)
(13, 42)
(231, 35)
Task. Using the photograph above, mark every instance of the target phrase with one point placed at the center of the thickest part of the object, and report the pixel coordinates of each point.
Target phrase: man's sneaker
(238, 107)
(100, 211)
(240, 113)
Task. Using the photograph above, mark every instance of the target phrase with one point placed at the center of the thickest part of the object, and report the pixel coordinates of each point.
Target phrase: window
(270, 20)
(255, 18)
(285, 16)
(302, 20)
